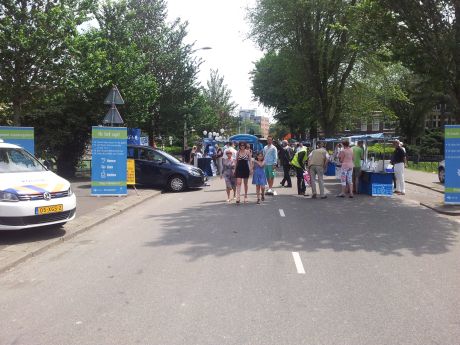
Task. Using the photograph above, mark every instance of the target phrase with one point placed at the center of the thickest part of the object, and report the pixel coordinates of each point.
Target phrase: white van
(30, 195)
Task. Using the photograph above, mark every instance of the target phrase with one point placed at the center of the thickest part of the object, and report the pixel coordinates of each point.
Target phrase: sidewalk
(431, 182)
(18, 246)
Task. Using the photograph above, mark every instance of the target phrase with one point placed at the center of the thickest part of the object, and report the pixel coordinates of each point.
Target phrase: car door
(153, 167)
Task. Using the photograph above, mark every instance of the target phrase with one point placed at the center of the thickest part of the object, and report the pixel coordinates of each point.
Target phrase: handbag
(307, 177)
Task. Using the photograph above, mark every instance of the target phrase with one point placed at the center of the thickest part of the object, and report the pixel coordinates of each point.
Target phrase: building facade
(261, 121)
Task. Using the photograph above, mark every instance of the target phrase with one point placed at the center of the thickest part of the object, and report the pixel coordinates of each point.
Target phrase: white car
(30, 195)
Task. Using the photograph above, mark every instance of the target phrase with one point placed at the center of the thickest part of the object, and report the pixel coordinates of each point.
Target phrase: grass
(431, 167)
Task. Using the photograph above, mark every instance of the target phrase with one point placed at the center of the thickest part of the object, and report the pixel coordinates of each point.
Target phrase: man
(286, 156)
(298, 162)
(271, 159)
(399, 162)
(186, 154)
(231, 148)
(358, 157)
(317, 163)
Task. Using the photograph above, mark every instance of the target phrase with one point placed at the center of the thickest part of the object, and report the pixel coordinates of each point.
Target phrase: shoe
(258, 201)
(263, 197)
(305, 194)
(238, 200)
(313, 196)
(350, 196)
(245, 199)
(340, 196)
(229, 201)
(269, 192)
(324, 197)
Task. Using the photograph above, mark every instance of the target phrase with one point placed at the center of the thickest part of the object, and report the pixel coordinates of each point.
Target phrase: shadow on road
(388, 226)
(30, 235)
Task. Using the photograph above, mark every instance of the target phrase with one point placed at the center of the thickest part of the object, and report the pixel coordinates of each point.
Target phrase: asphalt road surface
(190, 269)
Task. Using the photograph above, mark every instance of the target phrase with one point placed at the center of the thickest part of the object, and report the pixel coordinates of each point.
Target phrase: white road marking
(298, 263)
(282, 213)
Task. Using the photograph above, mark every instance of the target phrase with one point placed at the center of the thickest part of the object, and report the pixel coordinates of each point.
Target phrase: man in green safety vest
(298, 162)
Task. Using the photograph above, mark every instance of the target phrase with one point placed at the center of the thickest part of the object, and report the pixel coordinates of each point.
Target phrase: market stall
(376, 177)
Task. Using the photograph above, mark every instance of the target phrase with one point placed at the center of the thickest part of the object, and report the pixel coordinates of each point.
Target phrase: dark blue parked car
(157, 168)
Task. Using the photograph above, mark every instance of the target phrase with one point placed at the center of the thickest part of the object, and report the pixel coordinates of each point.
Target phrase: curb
(425, 186)
(79, 226)
(439, 210)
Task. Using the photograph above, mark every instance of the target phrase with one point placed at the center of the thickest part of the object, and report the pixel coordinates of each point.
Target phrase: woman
(192, 155)
(242, 171)
(346, 172)
(219, 158)
(228, 173)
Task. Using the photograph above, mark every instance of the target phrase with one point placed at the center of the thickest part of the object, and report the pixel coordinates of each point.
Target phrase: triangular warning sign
(113, 117)
(114, 97)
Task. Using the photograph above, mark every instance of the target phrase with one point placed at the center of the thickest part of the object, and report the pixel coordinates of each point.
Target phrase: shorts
(269, 172)
(346, 176)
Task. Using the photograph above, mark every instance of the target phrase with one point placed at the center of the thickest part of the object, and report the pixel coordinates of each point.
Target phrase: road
(190, 269)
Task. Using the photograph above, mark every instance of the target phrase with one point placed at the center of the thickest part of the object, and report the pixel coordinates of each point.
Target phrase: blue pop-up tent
(250, 139)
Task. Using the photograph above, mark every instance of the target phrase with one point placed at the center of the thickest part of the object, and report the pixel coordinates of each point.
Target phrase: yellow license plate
(49, 209)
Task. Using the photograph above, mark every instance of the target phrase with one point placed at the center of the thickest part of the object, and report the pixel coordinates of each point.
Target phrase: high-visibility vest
(295, 160)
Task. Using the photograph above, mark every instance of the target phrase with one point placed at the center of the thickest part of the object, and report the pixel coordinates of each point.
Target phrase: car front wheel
(441, 175)
(176, 184)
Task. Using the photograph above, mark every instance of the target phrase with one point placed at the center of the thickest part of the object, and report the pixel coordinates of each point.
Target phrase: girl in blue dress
(259, 178)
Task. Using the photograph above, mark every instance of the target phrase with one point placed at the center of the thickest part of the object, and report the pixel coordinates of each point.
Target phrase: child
(259, 178)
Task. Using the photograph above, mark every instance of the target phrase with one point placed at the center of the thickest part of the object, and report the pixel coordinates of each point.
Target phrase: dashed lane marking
(282, 213)
(298, 263)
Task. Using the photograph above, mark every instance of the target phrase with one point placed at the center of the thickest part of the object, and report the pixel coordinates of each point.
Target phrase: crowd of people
(235, 163)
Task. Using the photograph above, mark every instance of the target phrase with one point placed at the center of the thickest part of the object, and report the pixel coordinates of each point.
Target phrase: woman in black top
(242, 171)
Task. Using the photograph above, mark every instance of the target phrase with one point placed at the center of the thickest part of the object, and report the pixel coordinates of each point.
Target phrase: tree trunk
(17, 112)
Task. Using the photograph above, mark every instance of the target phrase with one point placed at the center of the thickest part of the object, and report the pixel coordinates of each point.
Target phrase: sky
(221, 25)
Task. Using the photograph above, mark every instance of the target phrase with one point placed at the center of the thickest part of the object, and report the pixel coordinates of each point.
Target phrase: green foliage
(431, 167)
(173, 150)
(380, 148)
(218, 97)
(35, 49)
(325, 39)
(55, 73)
(277, 83)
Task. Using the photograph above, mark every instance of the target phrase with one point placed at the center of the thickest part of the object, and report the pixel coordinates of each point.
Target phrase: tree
(168, 58)
(327, 37)
(35, 41)
(277, 83)
(425, 37)
(218, 96)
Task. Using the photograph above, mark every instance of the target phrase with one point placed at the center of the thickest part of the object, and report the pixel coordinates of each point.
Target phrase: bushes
(173, 150)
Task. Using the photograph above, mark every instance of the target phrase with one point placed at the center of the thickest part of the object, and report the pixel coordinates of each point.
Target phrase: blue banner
(21, 136)
(134, 136)
(108, 166)
(452, 157)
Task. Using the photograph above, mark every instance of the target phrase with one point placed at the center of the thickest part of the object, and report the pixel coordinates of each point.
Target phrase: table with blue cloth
(376, 183)
(330, 171)
(205, 165)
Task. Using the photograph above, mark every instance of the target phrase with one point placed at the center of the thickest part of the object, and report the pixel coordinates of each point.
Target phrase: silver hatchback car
(442, 171)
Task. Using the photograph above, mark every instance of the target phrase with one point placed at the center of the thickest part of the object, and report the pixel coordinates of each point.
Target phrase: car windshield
(14, 160)
(169, 157)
